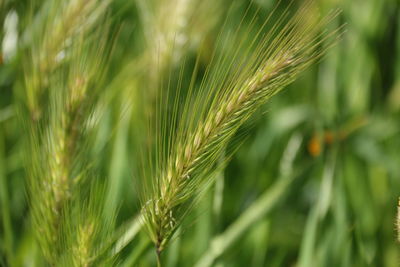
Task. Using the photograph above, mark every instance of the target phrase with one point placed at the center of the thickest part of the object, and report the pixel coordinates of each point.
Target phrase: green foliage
(134, 133)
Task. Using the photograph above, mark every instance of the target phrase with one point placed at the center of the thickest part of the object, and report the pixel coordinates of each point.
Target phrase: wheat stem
(158, 252)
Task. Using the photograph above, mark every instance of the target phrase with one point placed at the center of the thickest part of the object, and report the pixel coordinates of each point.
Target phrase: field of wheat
(199, 133)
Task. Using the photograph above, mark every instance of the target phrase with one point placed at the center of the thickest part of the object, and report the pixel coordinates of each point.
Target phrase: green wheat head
(65, 69)
(194, 131)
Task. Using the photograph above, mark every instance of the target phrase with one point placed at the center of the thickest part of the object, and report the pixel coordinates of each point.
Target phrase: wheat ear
(48, 38)
(221, 108)
(87, 235)
(58, 139)
(172, 28)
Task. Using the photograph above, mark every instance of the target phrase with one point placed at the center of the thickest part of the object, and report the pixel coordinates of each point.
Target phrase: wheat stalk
(222, 107)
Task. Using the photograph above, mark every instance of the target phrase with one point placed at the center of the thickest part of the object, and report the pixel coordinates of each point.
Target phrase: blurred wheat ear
(68, 53)
(261, 62)
(48, 38)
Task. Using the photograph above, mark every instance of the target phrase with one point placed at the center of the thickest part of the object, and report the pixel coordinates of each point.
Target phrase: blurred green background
(315, 183)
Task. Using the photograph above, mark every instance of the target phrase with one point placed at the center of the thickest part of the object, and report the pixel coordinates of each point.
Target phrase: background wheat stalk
(56, 151)
(57, 140)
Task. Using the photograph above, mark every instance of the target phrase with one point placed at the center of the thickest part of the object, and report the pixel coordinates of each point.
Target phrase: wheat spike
(58, 139)
(227, 98)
